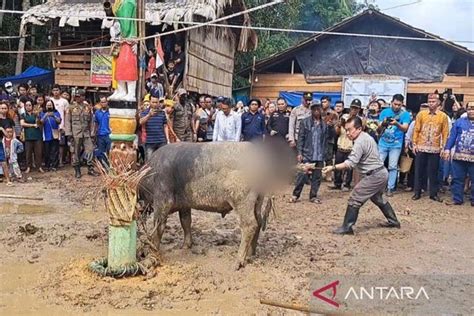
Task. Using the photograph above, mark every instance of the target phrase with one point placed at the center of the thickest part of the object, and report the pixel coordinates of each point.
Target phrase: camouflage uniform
(182, 119)
(298, 114)
(79, 126)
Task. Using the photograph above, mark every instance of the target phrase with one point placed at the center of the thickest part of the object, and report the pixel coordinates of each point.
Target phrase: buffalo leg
(185, 219)
(248, 227)
(161, 214)
(258, 217)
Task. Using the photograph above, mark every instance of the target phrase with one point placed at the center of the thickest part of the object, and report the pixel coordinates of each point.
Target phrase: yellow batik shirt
(431, 131)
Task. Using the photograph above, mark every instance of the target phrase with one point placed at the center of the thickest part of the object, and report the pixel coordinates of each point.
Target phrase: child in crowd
(12, 147)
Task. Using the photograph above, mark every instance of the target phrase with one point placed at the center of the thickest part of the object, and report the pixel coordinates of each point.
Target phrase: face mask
(372, 111)
(9, 90)
(49, 110)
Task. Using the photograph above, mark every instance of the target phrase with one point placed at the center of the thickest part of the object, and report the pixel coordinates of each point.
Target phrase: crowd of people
(44, 132)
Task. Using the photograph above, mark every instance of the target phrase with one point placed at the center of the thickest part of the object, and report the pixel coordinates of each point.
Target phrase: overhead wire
(215, 23)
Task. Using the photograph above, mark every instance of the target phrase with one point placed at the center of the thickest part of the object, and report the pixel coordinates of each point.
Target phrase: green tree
(293, 14)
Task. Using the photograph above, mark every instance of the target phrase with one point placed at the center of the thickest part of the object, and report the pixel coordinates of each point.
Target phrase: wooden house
(77, 24)
(321, 62)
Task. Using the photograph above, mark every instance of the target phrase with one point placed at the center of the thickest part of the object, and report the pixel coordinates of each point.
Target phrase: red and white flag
(160, 55)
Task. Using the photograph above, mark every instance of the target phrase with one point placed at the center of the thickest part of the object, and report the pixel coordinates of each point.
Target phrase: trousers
(77, 144)
(302, 178)
(460, 170)
(370, 187)
(426, 163)
(151, 148)
(341, 156)
(34, 148)
(51, 153)
(393, 154)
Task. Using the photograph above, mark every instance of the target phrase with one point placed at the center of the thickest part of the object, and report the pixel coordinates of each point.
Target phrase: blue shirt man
(394, 123)
(461, 139)
(102, 120)
(253, 122)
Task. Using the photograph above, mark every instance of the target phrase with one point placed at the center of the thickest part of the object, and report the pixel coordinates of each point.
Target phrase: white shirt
(227, 128)
(61, 106)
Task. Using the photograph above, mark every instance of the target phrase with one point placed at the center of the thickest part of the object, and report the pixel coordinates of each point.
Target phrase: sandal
(315, 201)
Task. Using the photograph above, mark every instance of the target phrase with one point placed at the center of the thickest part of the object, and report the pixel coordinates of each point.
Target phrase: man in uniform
(181, 118)
(365, 157)
(298, 114)
(79, 128)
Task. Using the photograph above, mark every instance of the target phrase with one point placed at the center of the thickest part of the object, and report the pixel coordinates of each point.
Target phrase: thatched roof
(72, 12)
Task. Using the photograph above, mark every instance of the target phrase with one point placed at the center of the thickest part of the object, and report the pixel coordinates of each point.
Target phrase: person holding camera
(394, 123)
(429, 138)
(156, 127)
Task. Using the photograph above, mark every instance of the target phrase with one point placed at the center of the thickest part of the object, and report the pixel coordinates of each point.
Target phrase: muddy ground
(43, 265)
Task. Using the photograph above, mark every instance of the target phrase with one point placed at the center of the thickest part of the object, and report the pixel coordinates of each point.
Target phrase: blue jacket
(253, 126)
(462, 139)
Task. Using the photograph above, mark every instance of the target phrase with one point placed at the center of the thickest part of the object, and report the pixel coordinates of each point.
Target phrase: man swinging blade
(365, 157)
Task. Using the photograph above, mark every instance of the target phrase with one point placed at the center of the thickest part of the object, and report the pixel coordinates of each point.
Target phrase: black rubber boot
(389, 213)
(91, 171)
(77, 171)
(352, 212)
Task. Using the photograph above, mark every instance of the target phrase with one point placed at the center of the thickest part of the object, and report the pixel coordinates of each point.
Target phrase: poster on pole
(370, 87)
(101, 68)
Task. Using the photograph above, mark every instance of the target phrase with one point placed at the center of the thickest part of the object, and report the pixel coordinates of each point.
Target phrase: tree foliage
(292, 14)
(39, 40)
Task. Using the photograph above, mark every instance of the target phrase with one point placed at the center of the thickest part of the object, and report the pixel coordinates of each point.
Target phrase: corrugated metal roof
(274, 58)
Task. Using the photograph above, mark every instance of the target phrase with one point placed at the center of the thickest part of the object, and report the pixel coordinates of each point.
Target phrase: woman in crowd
(39, 103)
(32, 137)
(50, 119)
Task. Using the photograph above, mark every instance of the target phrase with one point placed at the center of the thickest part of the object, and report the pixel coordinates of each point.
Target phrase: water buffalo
(212, 177)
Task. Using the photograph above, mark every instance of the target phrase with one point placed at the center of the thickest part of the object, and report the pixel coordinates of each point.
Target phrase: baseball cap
(80, 92)
(315, 104)
(8, 84)
(220, 99)
(181, 91)
(154, 75)
(161, 99)
(308, 96)
(356, 103)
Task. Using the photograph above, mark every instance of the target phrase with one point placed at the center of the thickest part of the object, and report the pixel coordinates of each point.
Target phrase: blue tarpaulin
(33, 73)
(294, 98)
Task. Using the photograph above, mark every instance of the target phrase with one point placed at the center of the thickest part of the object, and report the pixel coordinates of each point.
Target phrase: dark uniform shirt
(279, 122)
(253, 126)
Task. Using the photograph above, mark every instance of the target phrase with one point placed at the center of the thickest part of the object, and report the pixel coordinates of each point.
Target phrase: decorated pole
(120, 180)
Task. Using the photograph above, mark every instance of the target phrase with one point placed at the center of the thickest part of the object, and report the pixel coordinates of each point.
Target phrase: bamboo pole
(297, 307)
(141, 49)
(21, 197)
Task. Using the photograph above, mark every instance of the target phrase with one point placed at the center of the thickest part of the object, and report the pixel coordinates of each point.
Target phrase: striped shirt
(154, 127)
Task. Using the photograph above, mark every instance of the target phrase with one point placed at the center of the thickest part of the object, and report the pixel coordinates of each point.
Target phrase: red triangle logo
(319, 293)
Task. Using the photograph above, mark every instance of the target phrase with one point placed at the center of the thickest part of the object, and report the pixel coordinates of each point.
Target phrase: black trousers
(51, 153)
(426, 164)
(341, 156)
(302, 178)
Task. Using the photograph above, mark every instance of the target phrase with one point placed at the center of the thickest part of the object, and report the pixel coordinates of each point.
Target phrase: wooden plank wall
(269, 85)
(210, 63)
(72, 69)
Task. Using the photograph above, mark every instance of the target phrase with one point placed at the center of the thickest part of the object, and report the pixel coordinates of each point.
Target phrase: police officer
(79, 127)
(181, 116)
(365, 157)
(278, 123)
(298, 114)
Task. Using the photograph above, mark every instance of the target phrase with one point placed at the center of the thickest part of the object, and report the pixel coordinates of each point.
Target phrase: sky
(450, 19)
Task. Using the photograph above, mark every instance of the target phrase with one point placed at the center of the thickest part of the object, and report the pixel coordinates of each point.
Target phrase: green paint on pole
(122, 245)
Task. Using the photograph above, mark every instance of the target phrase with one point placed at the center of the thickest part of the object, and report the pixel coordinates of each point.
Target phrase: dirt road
(43, 266)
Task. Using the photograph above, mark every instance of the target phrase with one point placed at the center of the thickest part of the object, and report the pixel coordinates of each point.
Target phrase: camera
(387, 121)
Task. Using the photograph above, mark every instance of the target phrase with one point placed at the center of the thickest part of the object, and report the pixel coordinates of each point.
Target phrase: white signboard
(366, 88)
